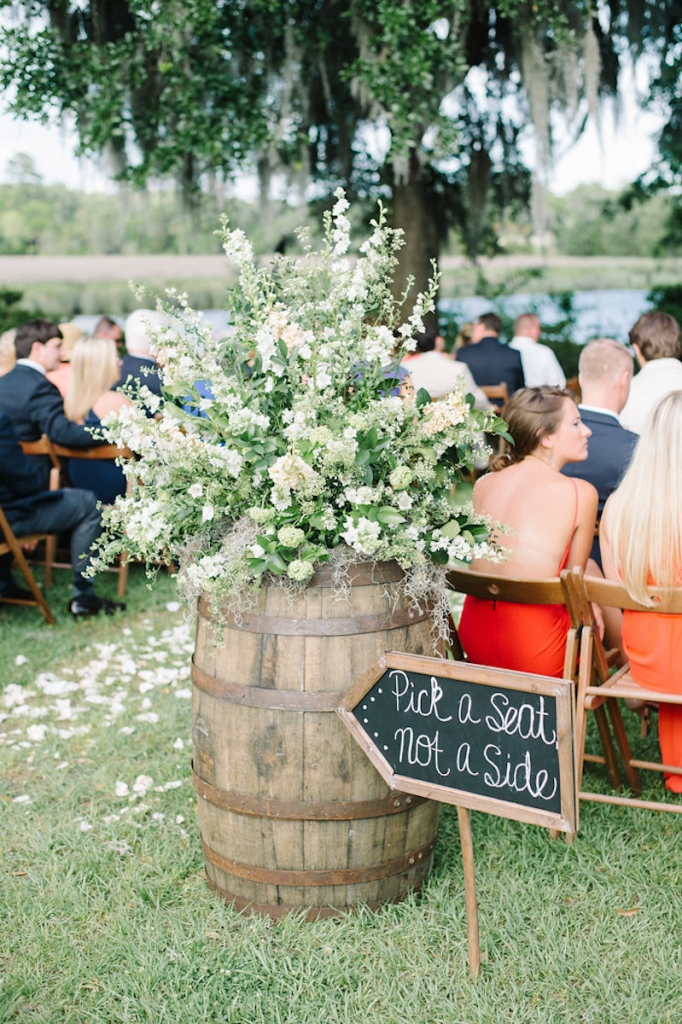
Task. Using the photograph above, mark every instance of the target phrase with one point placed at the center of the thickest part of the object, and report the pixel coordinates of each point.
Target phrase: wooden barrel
(292, 813)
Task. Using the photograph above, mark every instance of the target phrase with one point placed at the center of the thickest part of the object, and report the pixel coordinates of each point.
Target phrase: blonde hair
(603, 360)
(643, 519)
(94, 370)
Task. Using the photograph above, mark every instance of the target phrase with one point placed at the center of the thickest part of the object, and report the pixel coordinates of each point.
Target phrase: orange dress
(653, 644)
(520, 637)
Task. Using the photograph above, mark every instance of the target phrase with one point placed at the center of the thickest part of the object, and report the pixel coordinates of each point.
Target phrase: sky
(613, 154)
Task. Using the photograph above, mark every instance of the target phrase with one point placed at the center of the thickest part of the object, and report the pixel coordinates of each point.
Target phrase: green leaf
(440, 557)
(423, 398)
(389, 516)
(451, 529)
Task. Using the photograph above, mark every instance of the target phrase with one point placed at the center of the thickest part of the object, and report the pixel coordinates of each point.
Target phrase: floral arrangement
(288, 443)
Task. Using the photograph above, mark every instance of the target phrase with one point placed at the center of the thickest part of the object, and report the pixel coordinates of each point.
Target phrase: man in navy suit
(489, 360)
(32, 509)
(30, 400)
(605, 372)
(139, 366)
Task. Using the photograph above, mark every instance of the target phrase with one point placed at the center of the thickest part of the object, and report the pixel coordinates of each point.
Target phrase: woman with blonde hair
(641, 543)
(95, 368)
(551, 519)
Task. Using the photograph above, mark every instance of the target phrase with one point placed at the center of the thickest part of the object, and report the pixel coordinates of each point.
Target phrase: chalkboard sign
(482, 738)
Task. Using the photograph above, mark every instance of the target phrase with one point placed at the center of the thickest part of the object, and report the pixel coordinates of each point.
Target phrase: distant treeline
(43, 220)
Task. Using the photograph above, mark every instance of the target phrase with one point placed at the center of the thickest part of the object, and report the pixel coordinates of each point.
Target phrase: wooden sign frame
(562, 690)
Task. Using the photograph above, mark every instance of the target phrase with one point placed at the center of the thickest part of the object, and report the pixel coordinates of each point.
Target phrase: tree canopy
(376, 95)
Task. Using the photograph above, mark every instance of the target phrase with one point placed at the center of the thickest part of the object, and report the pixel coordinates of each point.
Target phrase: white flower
(363, 538)
(257, 551)
(195, 491)
(207, 513)
(291, 471)
(121, 789)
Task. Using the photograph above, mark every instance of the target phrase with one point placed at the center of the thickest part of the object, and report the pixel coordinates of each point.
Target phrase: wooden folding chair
(57, 454)
(597, 686)
(488, 587)
(498, 394)
(11, 544)
(43, 446)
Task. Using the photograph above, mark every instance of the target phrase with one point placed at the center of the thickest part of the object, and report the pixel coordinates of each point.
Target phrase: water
(607, 313)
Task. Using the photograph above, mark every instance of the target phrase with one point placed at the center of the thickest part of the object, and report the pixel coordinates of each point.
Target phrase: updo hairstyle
(531, 414)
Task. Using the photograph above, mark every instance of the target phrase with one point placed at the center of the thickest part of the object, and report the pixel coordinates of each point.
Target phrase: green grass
(106, 915)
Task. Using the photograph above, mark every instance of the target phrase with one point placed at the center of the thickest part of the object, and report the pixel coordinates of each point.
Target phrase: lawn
(107, 916)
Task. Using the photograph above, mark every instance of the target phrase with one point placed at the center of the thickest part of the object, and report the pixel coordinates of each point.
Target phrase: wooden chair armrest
(100, 451)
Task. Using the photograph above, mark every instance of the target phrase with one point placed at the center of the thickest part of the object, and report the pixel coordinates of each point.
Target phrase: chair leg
(122, 575)
(33, 586)
(607, 745)
(50, 557)
(623, 746)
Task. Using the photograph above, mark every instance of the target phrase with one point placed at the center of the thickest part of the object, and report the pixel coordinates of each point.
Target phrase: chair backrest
(614, 595)
(98, 451)
(498, 393)
(487, 587)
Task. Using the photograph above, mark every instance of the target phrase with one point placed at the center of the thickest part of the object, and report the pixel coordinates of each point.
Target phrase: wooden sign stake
(466, 840)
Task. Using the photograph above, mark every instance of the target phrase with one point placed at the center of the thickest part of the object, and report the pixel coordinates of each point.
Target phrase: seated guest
(108, 328)
(641, 541)
(32, 403)
(656, 340)
(605, 372)
(540, 365)
(489, 360)
(94, 370)
(138, 366)
(60, 377)
(552, 524)
(31, 509)
(437, 373)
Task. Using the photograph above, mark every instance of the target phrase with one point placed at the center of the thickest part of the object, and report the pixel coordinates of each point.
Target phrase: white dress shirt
(656, 379)
(438, 374)
(540, 365)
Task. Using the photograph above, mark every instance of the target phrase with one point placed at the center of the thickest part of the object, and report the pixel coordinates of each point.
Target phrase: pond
(598, 313)
(609, 313)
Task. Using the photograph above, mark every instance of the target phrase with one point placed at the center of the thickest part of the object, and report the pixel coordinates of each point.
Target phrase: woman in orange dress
(641, 542)
(551, 519)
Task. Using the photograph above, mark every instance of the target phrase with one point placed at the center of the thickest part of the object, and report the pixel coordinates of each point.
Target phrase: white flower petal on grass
(20, 659)
(127, 730)
(179, 819)
(157, 816)
(184, 694)
(173, 606)
(62, 764)
(23, 799)
(142, 783)
(121, 789)
(85, 826)
(179, 744)
(109, 819)
(36, 733)
(14, 695)
(147, 716)
(119, 846)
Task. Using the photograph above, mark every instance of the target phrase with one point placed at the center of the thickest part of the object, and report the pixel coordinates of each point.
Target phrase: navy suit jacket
(142, 371)
(21, 487)
(491, 362)
(35, 407)
(609, 452)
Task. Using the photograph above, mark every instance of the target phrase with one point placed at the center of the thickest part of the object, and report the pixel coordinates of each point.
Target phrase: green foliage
(12, 312)
(667, 299)
(590, 221)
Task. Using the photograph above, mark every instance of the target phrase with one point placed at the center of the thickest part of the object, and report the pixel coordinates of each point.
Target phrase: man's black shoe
(90, 604)
(11, 591)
